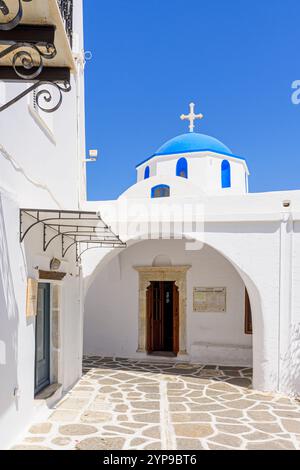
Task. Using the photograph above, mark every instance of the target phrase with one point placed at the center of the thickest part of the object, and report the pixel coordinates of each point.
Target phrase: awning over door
(78, 230)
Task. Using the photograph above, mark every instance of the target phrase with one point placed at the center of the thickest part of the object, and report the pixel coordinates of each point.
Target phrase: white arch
(264, 374)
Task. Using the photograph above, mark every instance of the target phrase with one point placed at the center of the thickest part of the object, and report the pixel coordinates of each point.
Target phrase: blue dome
(192, 142)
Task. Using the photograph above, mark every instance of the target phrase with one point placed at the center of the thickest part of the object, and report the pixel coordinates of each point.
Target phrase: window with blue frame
(147, 173)
(226, 174)
(182, 168)
(161, 190)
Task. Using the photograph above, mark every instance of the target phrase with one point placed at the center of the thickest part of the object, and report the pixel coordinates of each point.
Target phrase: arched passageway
(116, 304)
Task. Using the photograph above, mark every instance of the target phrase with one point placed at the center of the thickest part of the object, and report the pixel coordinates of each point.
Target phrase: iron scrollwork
(44, 94)
(4, 8)
(14, 21)
(30, 57)
(27, 57)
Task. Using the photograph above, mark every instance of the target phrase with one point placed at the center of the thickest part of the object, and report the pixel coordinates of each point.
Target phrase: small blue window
(226, 174)
(161, 190)
(147, 173)
(182, 168)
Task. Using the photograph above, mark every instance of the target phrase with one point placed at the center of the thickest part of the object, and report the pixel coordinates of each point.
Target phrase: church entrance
(162, 317)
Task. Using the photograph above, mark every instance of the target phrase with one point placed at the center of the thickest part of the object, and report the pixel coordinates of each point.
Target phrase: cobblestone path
(127, 404)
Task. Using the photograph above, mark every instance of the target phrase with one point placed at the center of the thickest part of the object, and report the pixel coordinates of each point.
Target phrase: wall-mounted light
(286, 203)
(55, 264)
(93, 156)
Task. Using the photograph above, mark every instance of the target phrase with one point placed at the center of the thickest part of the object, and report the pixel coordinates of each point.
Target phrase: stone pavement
(129, 404)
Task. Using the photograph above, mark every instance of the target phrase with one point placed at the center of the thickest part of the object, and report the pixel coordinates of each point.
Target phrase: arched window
(182, 168)
(226, 174)
(147, 173)
(161, 190)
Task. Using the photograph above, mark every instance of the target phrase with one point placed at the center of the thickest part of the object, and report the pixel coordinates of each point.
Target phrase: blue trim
(182, 168)
(190, 152)
(159, 186)
(147, 173)
(226, 174)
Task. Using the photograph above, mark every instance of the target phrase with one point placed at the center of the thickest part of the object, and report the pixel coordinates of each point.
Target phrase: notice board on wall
(209, 299)
(31, 297)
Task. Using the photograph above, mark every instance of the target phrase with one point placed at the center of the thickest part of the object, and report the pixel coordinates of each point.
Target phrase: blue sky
(236, 59)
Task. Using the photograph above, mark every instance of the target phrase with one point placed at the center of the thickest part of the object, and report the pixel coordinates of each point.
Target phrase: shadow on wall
(9, 317)
(291, 371)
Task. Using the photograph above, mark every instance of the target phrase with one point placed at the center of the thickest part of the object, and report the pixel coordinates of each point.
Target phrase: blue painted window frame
(226, 174)
(182, 168)
(147, 173)
(162, 187)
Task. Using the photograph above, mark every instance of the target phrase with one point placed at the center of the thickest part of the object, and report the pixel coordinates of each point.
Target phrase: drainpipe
(80, 155)
(79, 56)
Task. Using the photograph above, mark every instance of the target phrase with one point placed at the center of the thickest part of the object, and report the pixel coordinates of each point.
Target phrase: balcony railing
(66, 9)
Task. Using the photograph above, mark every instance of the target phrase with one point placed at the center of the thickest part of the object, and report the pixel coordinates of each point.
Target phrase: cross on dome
(191, 117)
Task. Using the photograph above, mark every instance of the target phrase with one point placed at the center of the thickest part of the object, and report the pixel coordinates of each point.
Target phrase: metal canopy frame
(80, 229)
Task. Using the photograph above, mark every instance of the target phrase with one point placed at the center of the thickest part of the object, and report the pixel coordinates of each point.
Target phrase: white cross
(191, 117)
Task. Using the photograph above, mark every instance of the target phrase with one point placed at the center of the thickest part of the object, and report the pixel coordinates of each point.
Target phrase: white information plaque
(209, 299)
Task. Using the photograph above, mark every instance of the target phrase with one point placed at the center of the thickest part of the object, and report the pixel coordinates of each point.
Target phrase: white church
(210, 273)
(186, 265)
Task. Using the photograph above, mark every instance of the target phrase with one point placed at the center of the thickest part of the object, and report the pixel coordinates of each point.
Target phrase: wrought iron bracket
(78, 229)
(4, 8)
(27, 47)
(25, 52)
(75, 232)
(44, 94)
(92, 246)
(23, 62)
(7, 26)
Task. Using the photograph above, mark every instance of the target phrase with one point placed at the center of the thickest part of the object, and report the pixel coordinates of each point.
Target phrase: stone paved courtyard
(127, 404)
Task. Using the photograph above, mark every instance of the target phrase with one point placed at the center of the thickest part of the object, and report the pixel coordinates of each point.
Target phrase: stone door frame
(161, 273)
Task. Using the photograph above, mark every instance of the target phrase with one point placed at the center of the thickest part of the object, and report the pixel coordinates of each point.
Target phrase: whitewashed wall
(40, 167)
(112, 302)
(204, 171)
(260, 238)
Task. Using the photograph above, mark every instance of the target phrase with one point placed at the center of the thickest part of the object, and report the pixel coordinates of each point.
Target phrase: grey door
(42, 338)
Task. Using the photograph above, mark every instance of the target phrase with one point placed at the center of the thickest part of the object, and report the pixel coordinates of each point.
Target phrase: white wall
(17, 334)
(291, 355)
(252, 232)
(44, 160)
(210, 269)
(111, 310)
(38, 169)
(204, 171)
(179, 187)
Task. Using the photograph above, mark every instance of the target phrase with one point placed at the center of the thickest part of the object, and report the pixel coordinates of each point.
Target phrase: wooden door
(149, 318)
(248, 314)
(154, 317)
(162, 330)
(175, 319)
(158, 317)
